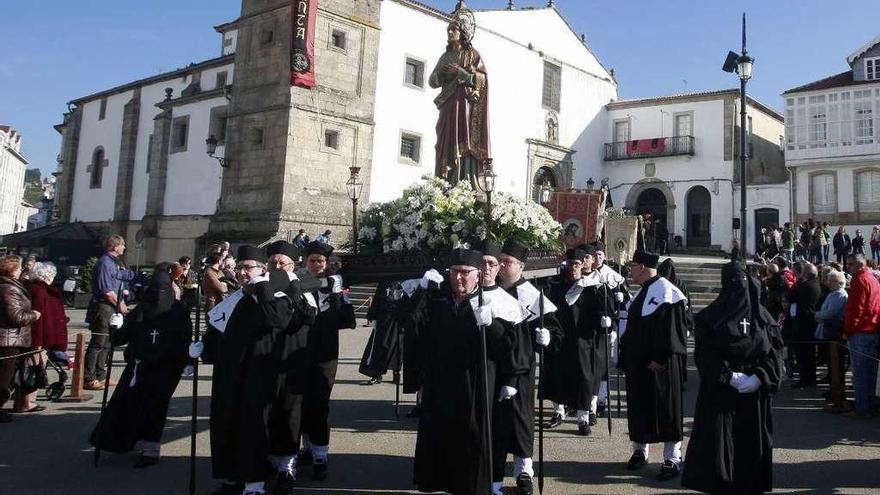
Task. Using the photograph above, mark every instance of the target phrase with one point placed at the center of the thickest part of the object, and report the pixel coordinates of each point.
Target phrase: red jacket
(50, 331)
(862, 313)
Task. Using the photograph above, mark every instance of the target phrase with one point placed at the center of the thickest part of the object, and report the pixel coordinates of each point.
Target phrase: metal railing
(649, 147)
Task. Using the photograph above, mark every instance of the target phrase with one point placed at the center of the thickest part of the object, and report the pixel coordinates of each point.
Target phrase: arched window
(544, 174)
(96, 168)
(823, 193)
(867, 188)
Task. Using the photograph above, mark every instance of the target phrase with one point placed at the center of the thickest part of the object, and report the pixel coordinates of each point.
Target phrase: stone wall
(70, 131)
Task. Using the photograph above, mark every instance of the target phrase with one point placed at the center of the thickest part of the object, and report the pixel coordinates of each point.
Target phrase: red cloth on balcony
(650, 146)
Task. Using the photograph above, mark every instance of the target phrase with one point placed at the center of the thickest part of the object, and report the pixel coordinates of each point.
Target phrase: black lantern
(211, 144)
(590, 184)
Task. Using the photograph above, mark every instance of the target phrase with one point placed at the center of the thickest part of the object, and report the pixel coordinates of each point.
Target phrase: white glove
(188, 370)
(737, 380)
(336, 280)
(430, 276)
(483, 315)
(605, 322)
(116, 320)
(506, 393)
(195, 349)
(618, 296)
(750, 384)
(542, 337)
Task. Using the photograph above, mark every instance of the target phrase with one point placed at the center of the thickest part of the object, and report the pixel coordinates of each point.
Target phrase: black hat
(598, 246)
(650, 260)
(488, 247)
(589, 249)
(466, 257)
(283, 247)
(317, 247)
(247, 252)
(575, 254)
(518, 250)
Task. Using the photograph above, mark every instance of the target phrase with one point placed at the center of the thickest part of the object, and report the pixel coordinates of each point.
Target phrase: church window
(221, 80)
(552, 86)
(218, 124)
(257, 136)
(96, 168)
(179, 133)
(867, 188)
(267, 36)
(149, 152)
(102, 111)
(338, 39)
(414, 73)
(823, 193)
(410, 147)
(331, 139)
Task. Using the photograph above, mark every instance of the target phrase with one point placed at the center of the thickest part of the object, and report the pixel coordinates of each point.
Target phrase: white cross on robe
(154, 333)
(745, 326)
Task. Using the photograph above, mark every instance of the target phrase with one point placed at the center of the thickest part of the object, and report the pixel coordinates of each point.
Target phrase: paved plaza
(371, 452)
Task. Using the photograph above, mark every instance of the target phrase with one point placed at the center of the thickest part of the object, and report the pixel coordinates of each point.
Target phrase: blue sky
(65, 50)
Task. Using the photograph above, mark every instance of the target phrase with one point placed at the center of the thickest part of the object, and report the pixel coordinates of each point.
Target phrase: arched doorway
(543, 173)
(699, 217)
(652, 202)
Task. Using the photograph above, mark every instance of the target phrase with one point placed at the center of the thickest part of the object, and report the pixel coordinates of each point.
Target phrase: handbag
(30, 375)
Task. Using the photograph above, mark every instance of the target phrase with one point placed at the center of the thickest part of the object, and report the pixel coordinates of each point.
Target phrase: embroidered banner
(578, 212)
(302, 40)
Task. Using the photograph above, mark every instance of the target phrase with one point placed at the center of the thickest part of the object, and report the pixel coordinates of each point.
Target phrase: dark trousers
(316, 403)
(98, 350)
(7, 370)
(805, 354)
(284, 423)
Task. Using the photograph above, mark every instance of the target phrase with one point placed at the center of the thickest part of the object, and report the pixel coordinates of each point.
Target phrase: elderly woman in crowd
(830, 315)
(16, 318)
(49, 333)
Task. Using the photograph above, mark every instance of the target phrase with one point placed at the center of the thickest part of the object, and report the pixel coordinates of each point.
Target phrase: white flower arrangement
(432, 216)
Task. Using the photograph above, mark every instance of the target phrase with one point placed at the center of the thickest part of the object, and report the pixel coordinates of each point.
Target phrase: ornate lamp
(355, 187)
(590, 184)
(211, 144)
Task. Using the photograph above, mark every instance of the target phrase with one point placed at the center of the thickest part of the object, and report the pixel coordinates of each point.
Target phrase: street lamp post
(486, 182)
(355, 187)
(742, 64)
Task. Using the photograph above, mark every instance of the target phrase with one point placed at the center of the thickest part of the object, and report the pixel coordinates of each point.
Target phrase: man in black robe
(240, 342)
(334, 313)
(667, 271)
(292, 352)
(157, 332)
(574, 368)
(652, 341)
(515, 419)
(613, 277)
(383, 348)
(739, 357)
(453, 444)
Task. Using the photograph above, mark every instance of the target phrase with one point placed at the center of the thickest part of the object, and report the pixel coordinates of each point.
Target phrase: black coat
(842, 244)
(807, 295)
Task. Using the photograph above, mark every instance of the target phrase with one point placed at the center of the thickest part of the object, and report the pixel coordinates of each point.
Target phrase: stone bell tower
(289, 149)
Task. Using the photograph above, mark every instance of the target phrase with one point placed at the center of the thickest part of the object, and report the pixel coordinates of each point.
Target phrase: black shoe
(284, 484)
(594, 419)
(524, 484)
(229, 489)
(584, 429)
(668, 471)
(304, 458)
(319, 470)
(145, 461)
(600, 410)
(637, 461)
(555, 421)
(372, 381)
(414, 412)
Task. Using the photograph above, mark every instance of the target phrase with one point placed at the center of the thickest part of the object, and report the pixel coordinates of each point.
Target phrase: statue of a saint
(463, 124)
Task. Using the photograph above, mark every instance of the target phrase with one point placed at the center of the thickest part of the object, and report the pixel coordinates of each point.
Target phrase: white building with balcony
(832, 144)
(677, 159)
(12, 167)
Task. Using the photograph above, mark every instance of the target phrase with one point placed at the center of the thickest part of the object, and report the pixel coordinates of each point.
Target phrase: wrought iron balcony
(649, 148)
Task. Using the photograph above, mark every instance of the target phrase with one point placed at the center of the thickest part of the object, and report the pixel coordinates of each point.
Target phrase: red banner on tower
(302, 41)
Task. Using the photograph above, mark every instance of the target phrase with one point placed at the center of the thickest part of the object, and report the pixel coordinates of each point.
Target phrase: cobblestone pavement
(371, 452)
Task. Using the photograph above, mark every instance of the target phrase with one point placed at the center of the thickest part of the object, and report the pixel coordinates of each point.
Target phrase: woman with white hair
(830, 315)
(49, 333)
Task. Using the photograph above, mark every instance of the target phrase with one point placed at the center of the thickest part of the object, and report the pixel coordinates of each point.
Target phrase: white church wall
(97, 204)
(193, 184)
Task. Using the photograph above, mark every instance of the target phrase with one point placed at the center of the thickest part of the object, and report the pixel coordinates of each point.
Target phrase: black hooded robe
(154, 363)
(667, 271)
(451, 454)
(731, 445)
(384, 345)
(654, 406)
(245, 383)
